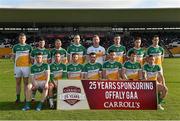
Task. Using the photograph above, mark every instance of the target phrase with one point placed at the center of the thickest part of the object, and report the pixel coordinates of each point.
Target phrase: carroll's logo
(72, 94)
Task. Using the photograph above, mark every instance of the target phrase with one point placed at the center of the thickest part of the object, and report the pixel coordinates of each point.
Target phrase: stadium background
(64, 23)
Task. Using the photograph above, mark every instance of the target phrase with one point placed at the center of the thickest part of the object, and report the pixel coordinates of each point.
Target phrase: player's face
(117, 40)
(77, 39)
(75, 58)
(22, 39)
(39, 58)
(58, 44)
(133, 57)
(41, 44)
(151, 60)
(112, 55)
(137, 43)
(92, 58)
(155, 40)
(57, 58)
(96, 40)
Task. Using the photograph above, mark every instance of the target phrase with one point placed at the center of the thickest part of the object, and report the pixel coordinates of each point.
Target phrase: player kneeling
(152, 71)
(39, 78)
(58, 72)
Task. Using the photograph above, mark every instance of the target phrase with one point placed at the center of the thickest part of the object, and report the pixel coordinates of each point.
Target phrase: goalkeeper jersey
(100, 53)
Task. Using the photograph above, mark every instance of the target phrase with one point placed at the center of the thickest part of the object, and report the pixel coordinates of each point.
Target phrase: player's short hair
(117, 35)
(22, 35)
(57, 40)
(137, 38)
(92, 53)
(39, 53)
(74, 54)
(76, 35)
(132, 52)
(57, 52)
(155, 36)
(95, 36)
(111, 51)
(41, 39)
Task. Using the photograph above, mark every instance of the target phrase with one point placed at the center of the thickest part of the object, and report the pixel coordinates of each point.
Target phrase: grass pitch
(9, 111)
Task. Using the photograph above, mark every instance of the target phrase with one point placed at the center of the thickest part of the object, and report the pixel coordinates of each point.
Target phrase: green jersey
(62, 52)
(132, 69)
(151, 71)
(45, 52)
(120, 52)
(39, 71)
(158, 52)
(140, 54)
(58, 71)
(112, 69)
(22, 54)
(92, 70)
(74, 71)
(77, 49)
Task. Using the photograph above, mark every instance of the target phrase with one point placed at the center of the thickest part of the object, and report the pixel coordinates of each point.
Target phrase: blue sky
(89, 4)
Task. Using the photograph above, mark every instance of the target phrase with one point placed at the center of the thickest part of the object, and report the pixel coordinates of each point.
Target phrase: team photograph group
(41, 68)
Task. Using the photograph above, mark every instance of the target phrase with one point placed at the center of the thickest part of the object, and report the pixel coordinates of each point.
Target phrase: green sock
(18, 97)
(28, 103)
(160, 100)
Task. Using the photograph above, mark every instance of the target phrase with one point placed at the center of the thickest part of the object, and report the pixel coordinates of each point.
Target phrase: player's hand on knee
(55, 85)
(165, 87)
(46, 86)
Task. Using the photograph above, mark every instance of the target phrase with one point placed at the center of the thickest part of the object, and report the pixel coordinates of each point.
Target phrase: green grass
(8, 110)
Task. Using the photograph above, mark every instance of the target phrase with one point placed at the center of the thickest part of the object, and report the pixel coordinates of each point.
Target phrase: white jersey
(100, 52)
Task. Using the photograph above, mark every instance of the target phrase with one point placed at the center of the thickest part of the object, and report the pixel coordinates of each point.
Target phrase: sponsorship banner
(112, 95)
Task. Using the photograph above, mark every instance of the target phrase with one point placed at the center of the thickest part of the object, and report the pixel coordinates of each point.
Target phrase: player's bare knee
(29, 86)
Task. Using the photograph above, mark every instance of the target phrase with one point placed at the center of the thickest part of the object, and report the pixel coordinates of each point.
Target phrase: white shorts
(39, 85)
(21, 71)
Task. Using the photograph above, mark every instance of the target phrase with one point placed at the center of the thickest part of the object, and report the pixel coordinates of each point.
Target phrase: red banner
(124, 95)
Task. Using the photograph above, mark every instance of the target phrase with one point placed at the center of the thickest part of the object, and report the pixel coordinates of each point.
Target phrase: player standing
(41, 49)
(96, 48)
(76, 47)
(118, 48)
(139, 51)
(60, 50)
(21, 55)
(156, 51)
